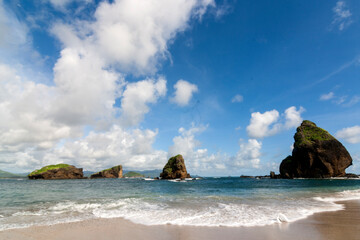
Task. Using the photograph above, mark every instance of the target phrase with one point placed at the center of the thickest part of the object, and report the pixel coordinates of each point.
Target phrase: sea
(224, 201)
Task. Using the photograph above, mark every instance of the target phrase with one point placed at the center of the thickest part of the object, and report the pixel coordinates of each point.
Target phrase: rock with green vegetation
(114, 172)
(132, 174)
(175, 168)
(316, 154)
(59, 171)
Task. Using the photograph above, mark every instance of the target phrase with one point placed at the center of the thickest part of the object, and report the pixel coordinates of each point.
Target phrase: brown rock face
(175, 168)
(316, 154)
(70, 172)
(114, 172)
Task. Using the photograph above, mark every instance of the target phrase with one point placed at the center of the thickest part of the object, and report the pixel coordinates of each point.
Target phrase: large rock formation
(59, 171)
(316, 154)
(175, 168)
(114, 172)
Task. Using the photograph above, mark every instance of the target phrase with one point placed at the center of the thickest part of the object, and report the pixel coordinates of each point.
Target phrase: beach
(334, 225)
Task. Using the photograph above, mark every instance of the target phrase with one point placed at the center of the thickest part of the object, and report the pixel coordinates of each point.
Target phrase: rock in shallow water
(59, 171)
(175, 168)
(114, 172)
(316, 154)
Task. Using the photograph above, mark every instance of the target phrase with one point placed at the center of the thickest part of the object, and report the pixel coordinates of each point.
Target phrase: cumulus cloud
(248, 155)
(186, 142)
(268, 123)
(131, 148)
(24, 110)
(262, 124)
(199, 160)
(237, 98)
(132, 34)
(137, 96)
(87, 91)
(342, 16)
(350, 134)
(293, 117)
(183, 92)
(123, 37)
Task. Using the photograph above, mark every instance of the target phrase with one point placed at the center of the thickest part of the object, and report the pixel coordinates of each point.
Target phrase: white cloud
(137, 96)
(131, 148)
(61, 4)
(132, 34)
(340, 100)
(350, 134)
(268, 124)
(237, 98)
(342, 16)
(24, 110)
(183, 92)
(293, 117)
(354, 100)
(86, 91)
(248, 155)
(262, 124)
(199, 160)
(327, 96)
(186, 142)
(13, 33)
(124, 37)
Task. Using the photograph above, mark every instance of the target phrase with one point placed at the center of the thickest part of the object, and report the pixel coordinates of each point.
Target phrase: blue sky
(225, 83)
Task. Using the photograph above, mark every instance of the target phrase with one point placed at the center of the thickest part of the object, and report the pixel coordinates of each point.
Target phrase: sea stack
(316, 154)
(59, 171)
(175, 168)
(114, 172)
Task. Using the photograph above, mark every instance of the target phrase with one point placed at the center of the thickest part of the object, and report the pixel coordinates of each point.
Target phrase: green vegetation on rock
(115, 168)
(308, 133)
(168, 167)
(49, 167)
(133, 175)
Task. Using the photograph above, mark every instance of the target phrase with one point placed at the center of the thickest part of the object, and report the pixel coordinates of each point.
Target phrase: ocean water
(206, 202)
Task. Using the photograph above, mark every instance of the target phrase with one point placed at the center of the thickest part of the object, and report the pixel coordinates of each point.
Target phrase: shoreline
(342, 224)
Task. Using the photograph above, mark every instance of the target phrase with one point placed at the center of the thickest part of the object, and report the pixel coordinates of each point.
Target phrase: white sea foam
(341, 196)
(212, 210)
(148, 179)
(220, 214)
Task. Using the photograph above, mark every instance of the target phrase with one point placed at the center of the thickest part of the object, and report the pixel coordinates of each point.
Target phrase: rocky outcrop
(316, 154)
(175, 168)
(59, 171)
(114, 172)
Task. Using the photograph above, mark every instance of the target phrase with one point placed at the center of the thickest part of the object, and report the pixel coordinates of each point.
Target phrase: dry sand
(339, 225)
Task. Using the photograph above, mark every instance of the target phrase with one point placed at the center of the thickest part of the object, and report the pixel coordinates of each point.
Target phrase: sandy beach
(344, 224)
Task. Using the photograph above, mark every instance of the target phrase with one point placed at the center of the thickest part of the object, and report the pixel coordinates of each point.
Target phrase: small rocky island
(316, 154)
(114, 172)
(133, 174)
(175, 168)
(59, 171)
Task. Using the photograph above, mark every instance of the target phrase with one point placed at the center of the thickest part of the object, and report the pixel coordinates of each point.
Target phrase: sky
(224, 83)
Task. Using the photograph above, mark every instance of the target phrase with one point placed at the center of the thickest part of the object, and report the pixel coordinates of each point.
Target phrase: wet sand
(339, 225)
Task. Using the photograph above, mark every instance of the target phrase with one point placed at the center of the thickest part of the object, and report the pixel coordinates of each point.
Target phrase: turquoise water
(204, 202)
